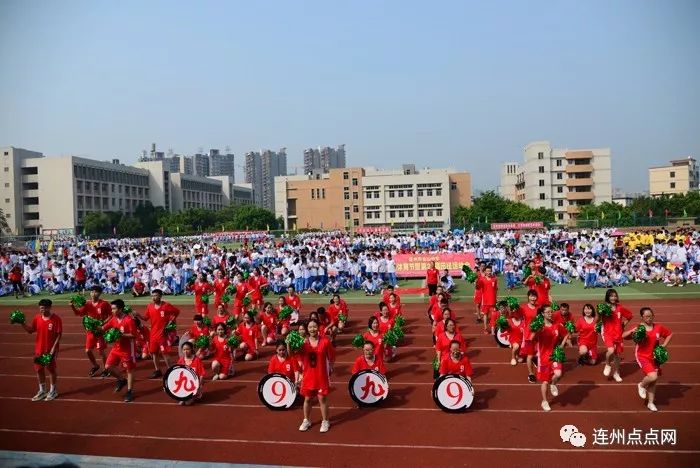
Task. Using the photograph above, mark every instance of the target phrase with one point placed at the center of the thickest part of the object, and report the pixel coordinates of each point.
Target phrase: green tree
(96, 223)
(130, 227)
(4, 225)
(490, 207)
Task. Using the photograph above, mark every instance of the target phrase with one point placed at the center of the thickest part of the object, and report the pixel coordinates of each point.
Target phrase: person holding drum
(373, 335)
(444, 340)
(455, 361)
(222, 363)
(368, 360)
(283, 363)
(249, 332)
(318, 356)
(190, 359)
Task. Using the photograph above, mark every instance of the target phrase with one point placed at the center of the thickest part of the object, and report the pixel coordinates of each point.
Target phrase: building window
(421, 213)
(354, 181)
(560, 189)
(391, 194)
(400, 193)
(355, 196)
(355, 222)
(323, 193)
(541, 182)
(347, 215)
(7, 200)
(420, 193)
(346, 196)
(7, 184)
(453, 185)
(560, 202)
(560, 176)
(541, 196)
(540, 155)
(7, 169)
(438, 192)
(560, 215)
(673, 173)
(673, 185)
(392, 214)
(409, 193)
(313, 193)
(346, 175)
(558, 162)
(355, 209)
(430, 212)
(429, 193)
(541, 169)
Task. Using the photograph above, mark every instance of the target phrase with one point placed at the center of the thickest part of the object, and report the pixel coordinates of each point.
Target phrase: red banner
(415, 265)
(527, 225)
(373, 230)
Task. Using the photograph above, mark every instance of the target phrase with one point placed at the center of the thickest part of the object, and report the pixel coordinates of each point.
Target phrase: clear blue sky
(462, 84)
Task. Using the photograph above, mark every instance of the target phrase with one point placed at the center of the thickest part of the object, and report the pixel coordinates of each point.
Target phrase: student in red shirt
(292, 299)
(528, 312)
(388, 292)
(123, 352)
(368, 360)
(48, 328)
(268, 324)
(375, 336)
(516, 331)
(138, 289)
(80, 277)
(282, 363)
(336, 308)
(540, 283)
(242, 291)
(611, 332)
(394, 305)
(222, 361)
(456, 362)
(190, 359)
(587, 336)
(98, 309)
(159, 313)
(562, 316)
(549, 373)
(219, 287)
(644, 353)
(443, 340)
(200, 288)
(318, 357)
(249, 332)
(432, 278)
(478, 293)
(488, 284)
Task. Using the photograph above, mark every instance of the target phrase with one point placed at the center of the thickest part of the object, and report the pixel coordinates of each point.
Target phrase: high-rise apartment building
(200, 165)
(558, 179)
(679, 177)
(222, 164)
(253, 175)
(404, 200)
(261, 168)
(324, 159)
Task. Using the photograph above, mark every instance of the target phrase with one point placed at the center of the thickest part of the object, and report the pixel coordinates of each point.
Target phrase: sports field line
(477, 383)
(342, 444)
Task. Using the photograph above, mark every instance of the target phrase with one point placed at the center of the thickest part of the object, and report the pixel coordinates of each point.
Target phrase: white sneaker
(305, 425)
(51, 396)
(606, 370)
(513, 362)
(325, 425)
(41, 394)
(616, 377)
(642, 391)
(545, 405)
(555, 391)
(652, 407)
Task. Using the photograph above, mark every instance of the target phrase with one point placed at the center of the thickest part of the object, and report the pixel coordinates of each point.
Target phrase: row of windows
(430, 205)
(106, 175)
(430, 185)
(200, 186)
(399, 207)
(400, 186)
(199, 196)
(355, 196)
(104, 189)
(318, 193)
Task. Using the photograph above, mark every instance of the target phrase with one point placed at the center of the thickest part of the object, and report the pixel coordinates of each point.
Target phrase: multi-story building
(17, 185)
(222, 164)
(558, 179)
(273, 164)
(253, 175)
(190, 191)
(200, 164)
(235, 194)
(405, 200)
(680, 177)
(323, 159)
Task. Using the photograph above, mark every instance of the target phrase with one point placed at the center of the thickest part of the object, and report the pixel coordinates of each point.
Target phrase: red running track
(505, 426)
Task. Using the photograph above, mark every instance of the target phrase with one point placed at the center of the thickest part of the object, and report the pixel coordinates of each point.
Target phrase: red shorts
(648, 365)
(492, 313)
(527, 349)
(94, 342)
(125, 360)
(51, 367)
(312, 392)
(615, 343)
(592, 350)
(225, 365)
(158, 344)
(477, 297)
(545, 371)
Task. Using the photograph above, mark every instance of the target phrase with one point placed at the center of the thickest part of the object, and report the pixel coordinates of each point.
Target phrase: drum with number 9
(181, 383)
(277, 392)
(453, 393)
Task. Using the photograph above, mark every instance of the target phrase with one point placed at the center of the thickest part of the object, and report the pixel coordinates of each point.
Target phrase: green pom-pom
(570, 327)
(558, 355)
(285, 313)
(398, 332)
(17, 316)
(390, 338)
(554, 306)
(112, 335)
(191, 280)
(436, 363)
(502, 323)
(231, 322)
(513, 303)
(128, 309)
(598, 326)
(604, 309)
(538, 279)
(342, 318)
(527, 271)
(205, 298)
(469, 274)
(44, 360)
(206, 321)
(400, 320)
(225, 299)
(537, 323)
(466, 268)
(246, 301)
(294, 340)
(202, 342)
(233, 341)
(78, 300)
(640, 334)
(246, 275)
(252, 312)
(358, 341)
(171, 327)
(660, 355)
(92, 324)
(231, 289)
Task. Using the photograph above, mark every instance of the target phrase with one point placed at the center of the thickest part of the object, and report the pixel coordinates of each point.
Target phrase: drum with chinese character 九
(368, 388)
(181, 383)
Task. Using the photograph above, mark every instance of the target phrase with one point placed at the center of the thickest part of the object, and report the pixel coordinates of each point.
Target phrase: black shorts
(432, 289)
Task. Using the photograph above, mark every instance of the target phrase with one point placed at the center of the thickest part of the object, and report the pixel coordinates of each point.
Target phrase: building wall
(679, 177)
(196, 192)
(158, 182)
(460, 190)
(509, 175)
(12, 188)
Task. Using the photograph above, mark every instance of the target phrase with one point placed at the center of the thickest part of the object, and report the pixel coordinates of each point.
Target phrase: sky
(440, 84)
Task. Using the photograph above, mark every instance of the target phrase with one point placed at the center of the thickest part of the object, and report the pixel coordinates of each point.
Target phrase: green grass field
(574, 291)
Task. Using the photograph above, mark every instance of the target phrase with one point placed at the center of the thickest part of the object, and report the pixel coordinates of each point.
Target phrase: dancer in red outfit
(318, 357)
(611, 332)
(98, 309)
